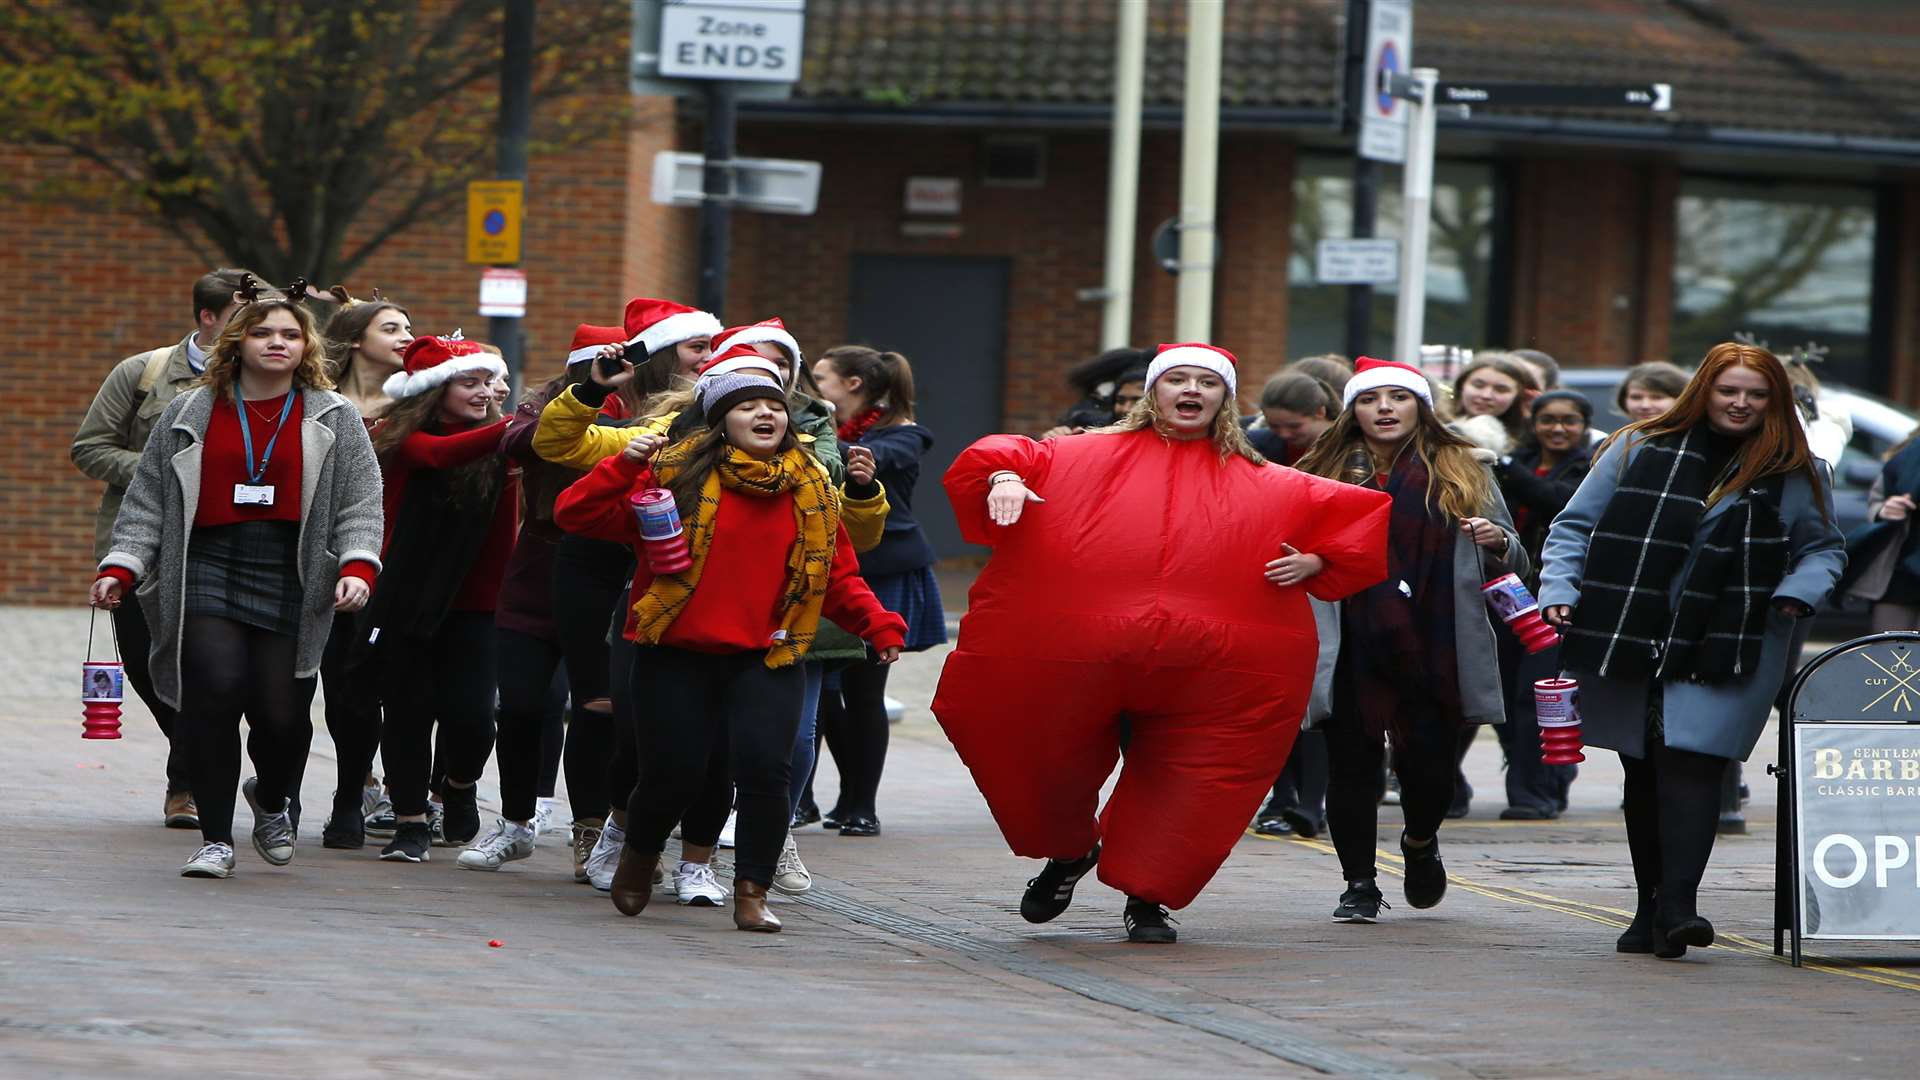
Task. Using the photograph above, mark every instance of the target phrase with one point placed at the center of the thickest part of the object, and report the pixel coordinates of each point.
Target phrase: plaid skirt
(248, 573)
(915, 597)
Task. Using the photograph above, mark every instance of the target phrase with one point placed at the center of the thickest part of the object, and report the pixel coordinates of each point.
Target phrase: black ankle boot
(1641, 936)
(1676, 925)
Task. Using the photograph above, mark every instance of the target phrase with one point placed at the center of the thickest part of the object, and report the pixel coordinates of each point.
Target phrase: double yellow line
(1394, 864)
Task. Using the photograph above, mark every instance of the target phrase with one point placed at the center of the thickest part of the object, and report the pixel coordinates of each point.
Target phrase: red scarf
(854, 429)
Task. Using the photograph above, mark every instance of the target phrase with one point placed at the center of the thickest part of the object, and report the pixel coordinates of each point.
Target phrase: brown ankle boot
(633, 881)
(750, 911)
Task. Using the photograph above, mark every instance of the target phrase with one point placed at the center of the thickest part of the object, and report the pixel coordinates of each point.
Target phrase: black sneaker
(412, 842)
(346, 829)
(1426, 877)
(1052, 892)
(1361, 903)
(1147, 923)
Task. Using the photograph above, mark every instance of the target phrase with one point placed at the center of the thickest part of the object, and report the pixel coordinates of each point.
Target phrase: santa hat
(754, 333)
(739, 358)
(431, 362)
(1193, 354)
(588, 340)
(655, 324)
(1371, 374)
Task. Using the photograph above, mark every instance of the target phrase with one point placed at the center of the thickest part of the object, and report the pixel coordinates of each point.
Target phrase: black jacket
(1542, 497)
(897, 450)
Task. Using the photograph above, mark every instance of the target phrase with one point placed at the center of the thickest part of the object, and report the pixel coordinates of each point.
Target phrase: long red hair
(1780, 446)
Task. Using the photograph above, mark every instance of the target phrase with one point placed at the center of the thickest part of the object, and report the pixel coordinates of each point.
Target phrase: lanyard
(246, 435)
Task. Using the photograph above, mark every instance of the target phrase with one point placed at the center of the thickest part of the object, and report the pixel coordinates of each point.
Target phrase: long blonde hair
(1458, 484)
(223, 364)
(1227, 436)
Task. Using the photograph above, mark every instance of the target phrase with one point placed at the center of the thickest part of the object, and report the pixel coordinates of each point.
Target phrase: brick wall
(87, 287)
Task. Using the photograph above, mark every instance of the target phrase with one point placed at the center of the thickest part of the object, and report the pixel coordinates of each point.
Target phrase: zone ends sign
(746, 42)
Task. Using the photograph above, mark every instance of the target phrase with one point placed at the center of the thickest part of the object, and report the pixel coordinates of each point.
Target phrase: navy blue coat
(897, 450)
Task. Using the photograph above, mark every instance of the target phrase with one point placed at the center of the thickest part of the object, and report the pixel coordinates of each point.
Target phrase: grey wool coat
(340, 520)
(1724, 720)
(1481, 700)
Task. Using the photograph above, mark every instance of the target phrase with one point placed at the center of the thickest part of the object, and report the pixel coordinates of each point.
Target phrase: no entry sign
(1383, 119)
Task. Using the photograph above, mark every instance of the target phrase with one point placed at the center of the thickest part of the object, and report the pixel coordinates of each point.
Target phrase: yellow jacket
(567, 435)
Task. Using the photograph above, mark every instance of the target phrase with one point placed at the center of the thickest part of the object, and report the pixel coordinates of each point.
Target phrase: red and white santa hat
(766, 330)
(431, 362)
(655, 324)
(736, 358)
(1371, 374)
(589, 339)
(1193, 354)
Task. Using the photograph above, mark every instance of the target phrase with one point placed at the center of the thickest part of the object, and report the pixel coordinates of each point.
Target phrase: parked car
(1877, 426)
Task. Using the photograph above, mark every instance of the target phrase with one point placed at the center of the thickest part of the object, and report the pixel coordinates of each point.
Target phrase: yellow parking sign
(493, 221)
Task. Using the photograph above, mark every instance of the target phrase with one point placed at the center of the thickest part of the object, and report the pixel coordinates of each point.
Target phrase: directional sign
(493, 221)
(757, 42)
(1383, 117)
(772, 185)
(1357, 262)
(1655, 97)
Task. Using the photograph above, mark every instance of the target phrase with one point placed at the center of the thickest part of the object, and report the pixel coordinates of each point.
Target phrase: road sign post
(769, 185)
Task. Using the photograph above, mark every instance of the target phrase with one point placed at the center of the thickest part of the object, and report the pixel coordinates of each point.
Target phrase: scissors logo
(1898, 681)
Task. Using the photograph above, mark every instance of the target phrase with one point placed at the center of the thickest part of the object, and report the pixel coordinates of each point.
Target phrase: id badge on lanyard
(253, 492)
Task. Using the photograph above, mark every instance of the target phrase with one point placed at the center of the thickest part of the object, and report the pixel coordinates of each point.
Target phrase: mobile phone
(610, 365)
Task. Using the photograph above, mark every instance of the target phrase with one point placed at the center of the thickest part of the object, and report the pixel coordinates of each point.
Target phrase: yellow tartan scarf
(816, 514)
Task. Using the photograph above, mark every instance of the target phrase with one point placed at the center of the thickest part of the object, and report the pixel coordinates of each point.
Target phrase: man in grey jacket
(107, 447)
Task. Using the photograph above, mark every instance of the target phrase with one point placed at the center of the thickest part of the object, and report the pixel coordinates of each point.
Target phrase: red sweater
(736, 605)
(420, 450)
(223, 464)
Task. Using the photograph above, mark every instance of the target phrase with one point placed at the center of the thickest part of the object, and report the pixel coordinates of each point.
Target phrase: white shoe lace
(789, 862)
(276, 830)
(695, 878)
(496, 841)
(605, 855)
(213, 853)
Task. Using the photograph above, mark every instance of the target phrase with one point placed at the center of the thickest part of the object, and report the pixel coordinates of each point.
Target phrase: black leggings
(229, 669)
(623, 769)
(589, 579)
(135, 643)
(855, 729)
(526, 669)
(1425, 766)
(353, 713)
(706, 717)
(447, 678)
(1673, 812)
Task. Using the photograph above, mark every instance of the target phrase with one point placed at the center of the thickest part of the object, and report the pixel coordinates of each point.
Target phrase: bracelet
(1003, 477)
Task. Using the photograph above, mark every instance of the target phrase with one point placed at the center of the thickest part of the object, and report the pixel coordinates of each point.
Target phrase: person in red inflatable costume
(1157, 571)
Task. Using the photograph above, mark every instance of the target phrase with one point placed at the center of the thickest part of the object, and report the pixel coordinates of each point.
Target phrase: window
(1787, 264)
(1459, 255)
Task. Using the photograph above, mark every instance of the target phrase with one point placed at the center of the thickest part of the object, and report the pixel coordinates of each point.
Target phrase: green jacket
(117, 424)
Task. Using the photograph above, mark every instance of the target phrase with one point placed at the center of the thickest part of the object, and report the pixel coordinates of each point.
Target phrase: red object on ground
(495, 943)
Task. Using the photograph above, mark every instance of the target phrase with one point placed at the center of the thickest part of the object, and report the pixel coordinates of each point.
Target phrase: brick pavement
(909, 958)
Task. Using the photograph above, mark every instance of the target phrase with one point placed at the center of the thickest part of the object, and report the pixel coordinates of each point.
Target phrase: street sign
(1357, 262)
(1383, 117)
(503, 293)
(1849, 848)
(493, 221)
(643, 61)
(1654, 97)
(771, 185)
(933, 194)
(757, 42)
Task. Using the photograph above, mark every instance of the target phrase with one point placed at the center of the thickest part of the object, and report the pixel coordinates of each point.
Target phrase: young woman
(450, 504)
(1295, 408)
(716, 676)
(1719, 503)
(1128, 388)
(253, 516)
(1210, 677)
(1649, 390)
(1098, 380)
(1537, 480)
(1499, 388)
(364, 340)
(872, 393)
(1417, 663)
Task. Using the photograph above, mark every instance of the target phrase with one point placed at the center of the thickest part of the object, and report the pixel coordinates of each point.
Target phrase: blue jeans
(804, 747)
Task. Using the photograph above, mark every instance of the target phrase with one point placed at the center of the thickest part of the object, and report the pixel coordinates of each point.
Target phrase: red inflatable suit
(1137, 590)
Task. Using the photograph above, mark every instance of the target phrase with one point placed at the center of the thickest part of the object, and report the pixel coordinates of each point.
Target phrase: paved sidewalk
(909, 957)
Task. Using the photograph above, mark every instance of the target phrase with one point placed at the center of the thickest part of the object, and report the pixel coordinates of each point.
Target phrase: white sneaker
(377, 810)
(545, 813)
(604, 859)
(212, 860)
(790, 874)
(696, 886)
(272, 833)
(726, 832)
(504, 843)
